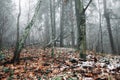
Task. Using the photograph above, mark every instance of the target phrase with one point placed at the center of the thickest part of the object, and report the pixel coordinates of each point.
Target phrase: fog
(42, 33)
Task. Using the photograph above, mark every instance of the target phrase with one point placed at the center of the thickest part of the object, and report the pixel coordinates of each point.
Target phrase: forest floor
(37, 64)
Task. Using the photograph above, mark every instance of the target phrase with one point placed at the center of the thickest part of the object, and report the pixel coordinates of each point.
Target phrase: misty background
(96, 26)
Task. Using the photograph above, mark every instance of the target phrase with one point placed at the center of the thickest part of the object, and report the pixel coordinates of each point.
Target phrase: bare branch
(87, 6)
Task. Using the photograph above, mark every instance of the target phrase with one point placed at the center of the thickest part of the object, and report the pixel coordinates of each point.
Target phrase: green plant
(52, 53)
(39, 78)
(6, 69)
(10, 78)
(11, 73)
(2, 56)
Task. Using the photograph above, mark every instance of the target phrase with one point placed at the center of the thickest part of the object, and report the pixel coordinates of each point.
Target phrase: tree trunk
(107, 17)
(1, 31)
(81, 25)
(0, 39)
(61, 24)
(28, 23)
(72, 26)
(18, 24)
(21, 42)
(82, 37)
(52, 14)
(54, 22)
(101, 36)
(117, 39)
(77, 6)
(47, 29)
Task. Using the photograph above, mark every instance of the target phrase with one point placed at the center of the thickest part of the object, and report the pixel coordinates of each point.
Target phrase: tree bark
(17, 40)
(1, 38)
(61, 24)
(107, 17)
(81, 25)
(29, 40)
(72, 26)
(52, 16)
(1, 30)
(101, 36)
(77, 6)
(21, 42)
(47, 29)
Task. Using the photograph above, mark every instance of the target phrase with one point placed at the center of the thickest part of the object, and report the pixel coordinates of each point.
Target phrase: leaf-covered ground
(37, 64)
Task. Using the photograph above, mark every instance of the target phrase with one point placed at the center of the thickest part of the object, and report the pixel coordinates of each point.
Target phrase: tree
(52, 16)
(47, 29)
(81, 21)
(61, 23)
(1, 32)
(107, 17)
(18, 24)
(20, 44)
(28, 39)
(5, 14)
(101, 37)
(72, 26)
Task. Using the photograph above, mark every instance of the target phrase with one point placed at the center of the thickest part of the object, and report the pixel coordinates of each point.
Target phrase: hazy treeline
(57, 20)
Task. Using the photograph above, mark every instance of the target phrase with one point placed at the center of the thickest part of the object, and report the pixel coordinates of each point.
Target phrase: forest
(59, 40)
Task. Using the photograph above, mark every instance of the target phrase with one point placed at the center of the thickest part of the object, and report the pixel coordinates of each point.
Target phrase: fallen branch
(49, 44)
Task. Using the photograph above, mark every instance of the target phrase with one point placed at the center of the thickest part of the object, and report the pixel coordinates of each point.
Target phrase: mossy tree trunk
(20, 44)
(18, 24)
(81, 25)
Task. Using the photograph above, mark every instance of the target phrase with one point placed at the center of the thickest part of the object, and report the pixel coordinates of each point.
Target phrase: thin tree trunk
(77, 6)
(107, 17)
(61, 24)
(16, 55)
(47, 29)
(1, 34)
(117, 39)
(54, 21)
(1, 31)
(52, 16)
(18, 22)
(21, 42)
(28, 22)
(101, 36)
(72, 26)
